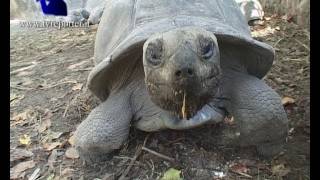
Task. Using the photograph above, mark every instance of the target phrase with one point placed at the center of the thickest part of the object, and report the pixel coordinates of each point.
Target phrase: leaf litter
(280, 170)
(17, 171)
(51, 146)
(283, 48)
(287, 100)
(23, 117)
(19, 154)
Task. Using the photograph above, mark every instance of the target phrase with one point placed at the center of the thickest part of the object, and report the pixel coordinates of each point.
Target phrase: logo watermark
(53, 24)
(54, 7)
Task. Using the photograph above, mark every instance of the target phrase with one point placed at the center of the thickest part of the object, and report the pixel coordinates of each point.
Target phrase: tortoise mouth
(185, 98)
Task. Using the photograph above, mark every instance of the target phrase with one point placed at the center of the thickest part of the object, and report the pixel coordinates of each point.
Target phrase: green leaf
(172, 174)
(50, 177)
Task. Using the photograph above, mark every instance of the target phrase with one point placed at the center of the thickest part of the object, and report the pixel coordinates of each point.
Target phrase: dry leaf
(17, 170)
(71, 140)
(239, 168)
(67, 172)
(25, 140)
(47, 114)
(279, 80)
(291, 131)
(24, 73)
(15, 98)
(76, 87)
(108, 176)
(26, 81)
(45, 124)
(55, 135)
(52, 158)
(51, 146)
(229, 120)
(35, 174)
(287, 100)
(51, 136)
(22, 117)
(19, 154)
(59, 178)
(248, 162)
(280, 170)
(267, 18)
(72, 153)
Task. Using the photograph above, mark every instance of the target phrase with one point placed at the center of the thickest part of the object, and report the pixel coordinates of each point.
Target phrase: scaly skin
(260, 118)
(105, 129)
(257, 110)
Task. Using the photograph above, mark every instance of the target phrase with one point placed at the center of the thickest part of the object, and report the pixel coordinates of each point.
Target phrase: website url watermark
(53, 24)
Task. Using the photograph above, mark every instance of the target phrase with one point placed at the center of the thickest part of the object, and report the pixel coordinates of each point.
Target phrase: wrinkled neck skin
(232, 65)
(135, 91)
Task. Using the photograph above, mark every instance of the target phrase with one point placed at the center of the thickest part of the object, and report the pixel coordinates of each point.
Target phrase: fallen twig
(58, 84)
(275, 44)
(305, 46)
(242, 174)
(152, 168)
(86, 69)
(19, 65)
(22, 69)
(122, 157)
(158, 154)
(307, 33)
(155, 153)
(20, 87)
(126, 171)
(63, 62)
(174, 141)
(137, 154)
(108, 176)
(67, 108)
(145, 140)
(35, 174)
(297, 60)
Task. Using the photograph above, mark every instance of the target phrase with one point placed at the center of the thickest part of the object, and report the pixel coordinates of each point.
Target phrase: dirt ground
(48, 99)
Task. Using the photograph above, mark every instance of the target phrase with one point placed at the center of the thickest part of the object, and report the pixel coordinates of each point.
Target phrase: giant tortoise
(179, 64)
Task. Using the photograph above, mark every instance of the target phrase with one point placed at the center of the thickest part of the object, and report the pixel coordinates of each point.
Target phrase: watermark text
(53, 24)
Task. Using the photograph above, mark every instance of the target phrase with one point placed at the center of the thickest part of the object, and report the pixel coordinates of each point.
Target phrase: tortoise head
(182, 68)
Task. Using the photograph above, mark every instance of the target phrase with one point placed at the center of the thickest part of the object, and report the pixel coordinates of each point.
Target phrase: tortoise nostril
(178, 73)
(190, 72)
(184, 73)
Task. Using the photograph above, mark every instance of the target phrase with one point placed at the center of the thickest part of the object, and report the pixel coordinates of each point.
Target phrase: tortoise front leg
(258, 113)
(105, 129)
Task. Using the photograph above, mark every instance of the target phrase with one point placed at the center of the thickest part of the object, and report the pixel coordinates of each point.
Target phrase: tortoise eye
(154, 52)
(206, 48)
